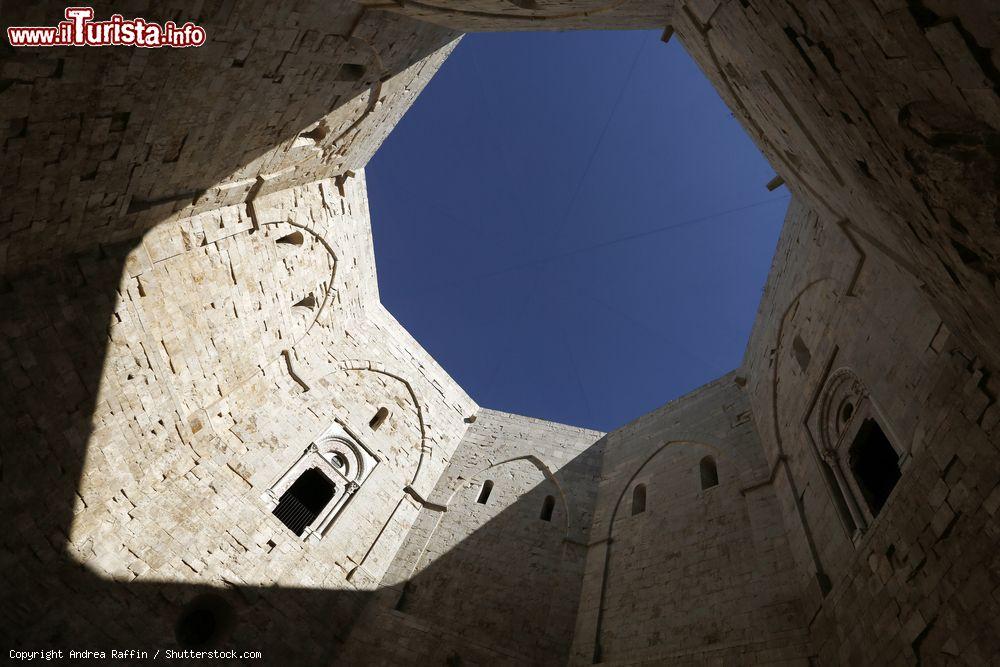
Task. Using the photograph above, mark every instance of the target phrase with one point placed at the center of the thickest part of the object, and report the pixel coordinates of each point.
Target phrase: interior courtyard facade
(213, 434)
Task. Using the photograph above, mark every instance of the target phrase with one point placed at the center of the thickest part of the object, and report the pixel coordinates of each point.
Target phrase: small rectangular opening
(484, 492)
(547, 507)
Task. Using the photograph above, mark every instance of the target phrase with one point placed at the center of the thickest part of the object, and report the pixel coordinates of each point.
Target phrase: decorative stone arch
(852, 517)
(461, 483)
(282, 357)
(331, 288)
(842, 394)
(845, 404)
(714, 449)
(782, 459)
(546, 473)
(379, 367)
(341, 457)
(345, 451)
(707, 443)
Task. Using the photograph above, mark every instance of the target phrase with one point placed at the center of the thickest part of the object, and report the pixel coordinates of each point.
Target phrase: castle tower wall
(698, 568)
(234, 344)
(845, 336)
(487, 575)
(190, 305)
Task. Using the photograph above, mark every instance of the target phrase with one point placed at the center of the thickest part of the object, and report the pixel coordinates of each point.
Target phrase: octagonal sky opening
(574, 224)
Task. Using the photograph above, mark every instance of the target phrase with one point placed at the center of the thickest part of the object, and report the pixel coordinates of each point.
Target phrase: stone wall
(882, 114)
(491, 15)
(694, 572)
(103, 144)
(491, 582)
(844, 334)
(136, 483)
(190, 300)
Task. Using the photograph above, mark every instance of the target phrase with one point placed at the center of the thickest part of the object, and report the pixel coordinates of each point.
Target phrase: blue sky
(573, 224)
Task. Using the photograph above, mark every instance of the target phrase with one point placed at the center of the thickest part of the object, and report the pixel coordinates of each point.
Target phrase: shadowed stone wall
(843, 335)
(103, 144)
(883, 115)
(489, 580)
(696, 572)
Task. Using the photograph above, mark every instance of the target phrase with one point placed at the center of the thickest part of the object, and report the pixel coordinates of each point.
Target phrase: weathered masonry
(214, 435)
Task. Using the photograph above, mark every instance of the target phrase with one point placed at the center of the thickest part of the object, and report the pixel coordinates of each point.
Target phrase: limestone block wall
(491, 15)
(143, 425)
(491, 582)
(688, 575)
(844, 334)
(102, 144)
(190, 299)
(882, 114)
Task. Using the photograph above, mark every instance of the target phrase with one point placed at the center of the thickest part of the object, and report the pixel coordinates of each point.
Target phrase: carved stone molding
(343, 458)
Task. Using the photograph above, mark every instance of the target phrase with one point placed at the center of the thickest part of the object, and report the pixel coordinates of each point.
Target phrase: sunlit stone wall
(213, 383)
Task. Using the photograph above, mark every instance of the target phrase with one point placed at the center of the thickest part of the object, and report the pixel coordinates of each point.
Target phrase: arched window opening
(638, 499)
(351, 72)
(484, 493)
(709, 473)
(338, 461)
(874, 464)
(318, 133)
(379, 418)
(547, 507)
(304, 500)
(308, 302)
(801, 353)
(295, 238)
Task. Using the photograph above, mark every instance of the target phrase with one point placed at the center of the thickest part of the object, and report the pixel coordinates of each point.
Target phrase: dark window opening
(203, 622)
(351, 72)
(295, 238)
(875, 464)
(484, 493)
(338, 461)
(318, 133)
(308, 301)
(304, 500)
(379, 418)
(639, 499)
(547, 507)
(709, 473)
(801, 353)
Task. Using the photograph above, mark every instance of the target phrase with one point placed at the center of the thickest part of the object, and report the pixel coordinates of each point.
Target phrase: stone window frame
(837, 449)
(337, 441)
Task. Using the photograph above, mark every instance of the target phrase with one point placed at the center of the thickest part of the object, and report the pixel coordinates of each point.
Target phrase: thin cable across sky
(573, 224)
